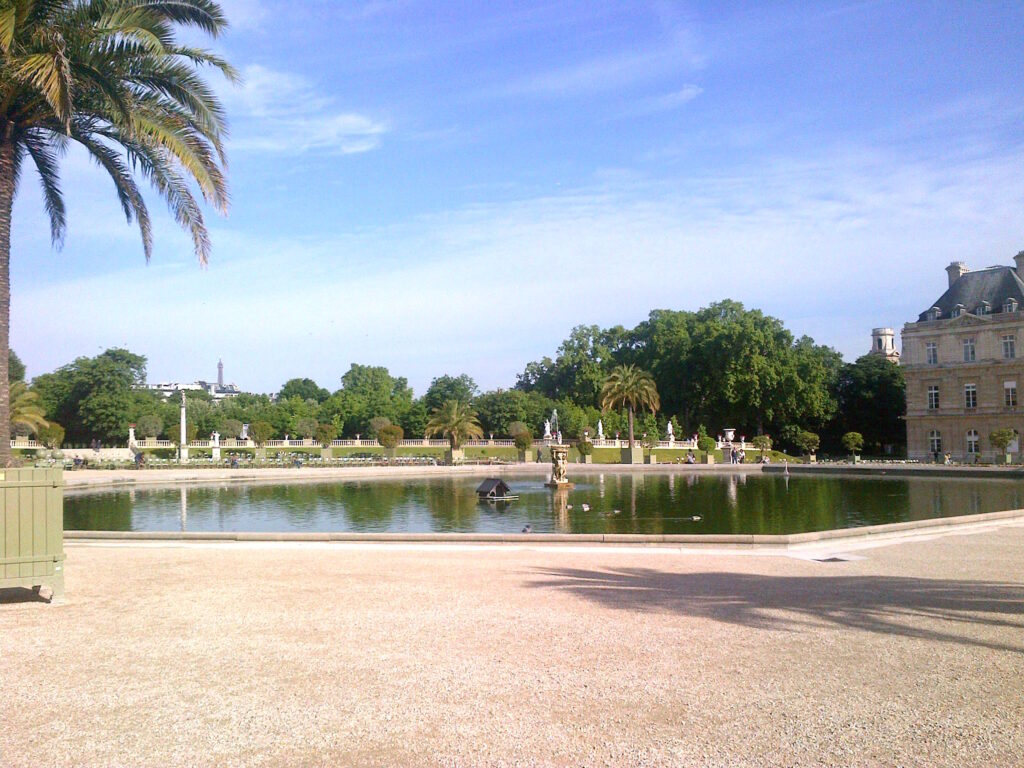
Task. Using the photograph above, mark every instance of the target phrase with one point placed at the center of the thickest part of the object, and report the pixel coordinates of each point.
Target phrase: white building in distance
(217, 390)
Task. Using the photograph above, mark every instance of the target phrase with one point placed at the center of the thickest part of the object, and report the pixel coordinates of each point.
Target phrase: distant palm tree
(110, 76)
(26, 410)
(629, 387)
(456, 421)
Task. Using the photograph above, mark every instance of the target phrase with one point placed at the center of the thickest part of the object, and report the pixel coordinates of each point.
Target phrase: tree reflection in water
(646, 503)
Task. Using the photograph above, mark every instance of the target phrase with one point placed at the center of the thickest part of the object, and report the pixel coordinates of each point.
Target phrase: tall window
(1010, 394)
(968, 350)
(935, 441)
(1010, 305)
(1009, 347)
(957, 311)
(970, 395)
(972, 441)
(933, 398)
(931, 352)
(983, 308)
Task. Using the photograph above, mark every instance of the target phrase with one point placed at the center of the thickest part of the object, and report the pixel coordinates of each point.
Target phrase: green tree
(370, 391)
(807, 441)
(306, 427)
(172, 432)
(853, 442)
(455, 421)
(52, 436)
(631, 388)
(92, 397)
(705, 442)
(377, 423)
(390, 437)
(149, 426)
(500, 409)
(110, 76)
(872, 398)
(326, 433)
(230, 428)
(26, 410)
(444, 388)
(16, 368)
(580, 369)
(523, 437)
(304, 389)
(1001, 439)
(762, 443)
(260, 432)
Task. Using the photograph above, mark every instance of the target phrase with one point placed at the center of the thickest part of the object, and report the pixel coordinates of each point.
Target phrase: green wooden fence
(32, 529)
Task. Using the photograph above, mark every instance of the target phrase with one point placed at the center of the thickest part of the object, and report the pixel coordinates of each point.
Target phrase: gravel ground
(336, 655)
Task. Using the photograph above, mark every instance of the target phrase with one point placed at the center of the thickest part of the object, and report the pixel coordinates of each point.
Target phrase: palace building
(963, 363)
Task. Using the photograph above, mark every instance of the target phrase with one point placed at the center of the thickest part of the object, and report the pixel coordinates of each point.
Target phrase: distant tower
(220, 374)
(883, 342)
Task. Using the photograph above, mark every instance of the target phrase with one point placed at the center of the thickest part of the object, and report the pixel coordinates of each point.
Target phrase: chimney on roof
(1019, 261)
(955, 271)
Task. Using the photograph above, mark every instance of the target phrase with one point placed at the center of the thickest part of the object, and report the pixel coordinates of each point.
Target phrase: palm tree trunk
(6, 206)
(631, 444)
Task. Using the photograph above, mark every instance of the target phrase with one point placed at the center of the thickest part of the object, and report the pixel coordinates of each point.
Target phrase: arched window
(935, 441)
(973, 440)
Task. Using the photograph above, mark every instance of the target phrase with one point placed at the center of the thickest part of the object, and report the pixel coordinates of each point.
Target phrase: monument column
(183, 443)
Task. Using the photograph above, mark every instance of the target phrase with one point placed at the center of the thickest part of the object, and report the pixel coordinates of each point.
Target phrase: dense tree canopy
(723, 366)
(304, 389)
(872, 396)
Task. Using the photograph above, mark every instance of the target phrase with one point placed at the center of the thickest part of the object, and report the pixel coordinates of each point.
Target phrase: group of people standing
(737, 455)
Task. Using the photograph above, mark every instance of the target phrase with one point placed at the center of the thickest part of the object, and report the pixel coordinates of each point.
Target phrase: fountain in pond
(559, 454)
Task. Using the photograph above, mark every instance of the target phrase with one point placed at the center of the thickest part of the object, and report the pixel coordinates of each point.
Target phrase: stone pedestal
(632, 455)
(652, 458)
(326, 452)
(454, 455)
(559, 463)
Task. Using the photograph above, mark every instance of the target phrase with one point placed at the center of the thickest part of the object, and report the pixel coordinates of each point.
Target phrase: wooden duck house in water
(495, 489)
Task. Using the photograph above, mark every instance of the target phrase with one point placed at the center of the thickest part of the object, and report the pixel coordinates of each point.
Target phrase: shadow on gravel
(10, 595)
(929, 609)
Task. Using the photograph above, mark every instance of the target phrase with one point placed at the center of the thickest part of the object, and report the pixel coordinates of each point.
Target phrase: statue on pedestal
(547, 429)
(559, 464)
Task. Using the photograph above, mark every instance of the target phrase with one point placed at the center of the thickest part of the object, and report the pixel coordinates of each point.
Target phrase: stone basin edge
(744, 541)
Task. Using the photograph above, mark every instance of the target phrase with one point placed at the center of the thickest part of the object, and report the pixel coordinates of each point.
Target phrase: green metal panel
(32, 528)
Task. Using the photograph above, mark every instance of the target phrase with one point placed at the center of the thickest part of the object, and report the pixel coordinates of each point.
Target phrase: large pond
(600, 503)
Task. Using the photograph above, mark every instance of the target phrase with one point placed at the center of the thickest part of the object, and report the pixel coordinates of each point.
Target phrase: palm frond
(46, 152)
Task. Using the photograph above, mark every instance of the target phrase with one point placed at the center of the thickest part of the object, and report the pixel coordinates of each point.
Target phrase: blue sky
(451, 187)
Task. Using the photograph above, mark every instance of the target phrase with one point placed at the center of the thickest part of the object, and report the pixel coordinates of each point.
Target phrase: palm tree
(629, 387)
(26, 410)
(110, 76)
(456, 421)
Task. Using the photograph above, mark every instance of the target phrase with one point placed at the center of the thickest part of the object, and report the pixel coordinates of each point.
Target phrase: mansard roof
(994, 285)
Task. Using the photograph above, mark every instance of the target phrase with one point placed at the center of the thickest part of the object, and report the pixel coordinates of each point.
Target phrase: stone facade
(963, 361)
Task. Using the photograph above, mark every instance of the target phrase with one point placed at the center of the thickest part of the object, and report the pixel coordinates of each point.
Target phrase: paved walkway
(185, 655)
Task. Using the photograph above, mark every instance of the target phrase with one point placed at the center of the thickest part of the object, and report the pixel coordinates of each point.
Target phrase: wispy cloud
(781, 236)
(666, 102)
(605, 73)
(284, 113)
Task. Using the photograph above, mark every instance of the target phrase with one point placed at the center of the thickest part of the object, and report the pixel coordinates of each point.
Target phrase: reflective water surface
(600, 503)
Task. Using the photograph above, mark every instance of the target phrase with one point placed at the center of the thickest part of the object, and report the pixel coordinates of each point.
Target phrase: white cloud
(834, 245)
(604, 73)
(284, 113)
(666, 102)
